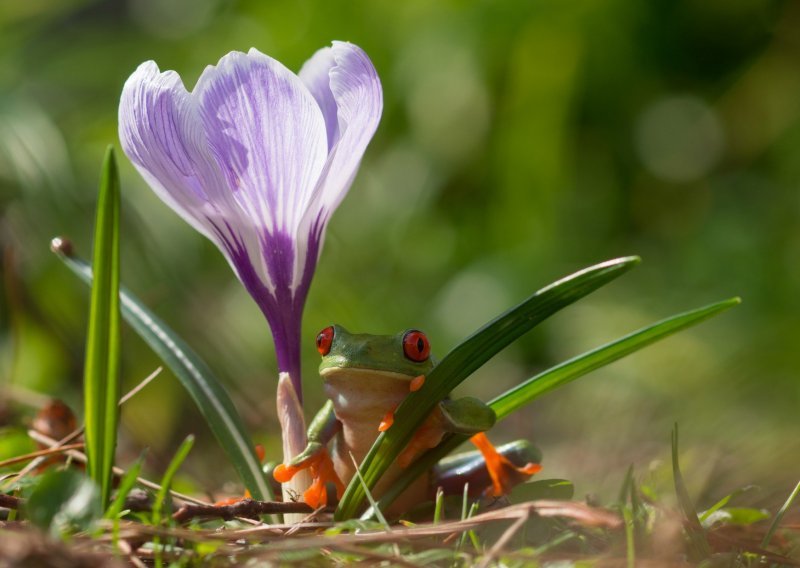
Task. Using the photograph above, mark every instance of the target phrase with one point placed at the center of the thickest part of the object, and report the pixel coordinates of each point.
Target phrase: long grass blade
(194, 374)
(776, 522)
(570, 370)
(700, 550)
(163, 494)
(126, 484)
(101, 370)
(464, 359)
(554, 377)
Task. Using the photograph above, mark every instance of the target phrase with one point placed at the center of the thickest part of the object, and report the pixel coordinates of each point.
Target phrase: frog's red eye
(416, 346)
(324, 340)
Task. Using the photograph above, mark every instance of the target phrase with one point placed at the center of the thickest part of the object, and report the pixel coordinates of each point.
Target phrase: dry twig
(246, 508)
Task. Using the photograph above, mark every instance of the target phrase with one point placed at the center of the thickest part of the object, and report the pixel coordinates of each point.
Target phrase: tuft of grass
(101, 370)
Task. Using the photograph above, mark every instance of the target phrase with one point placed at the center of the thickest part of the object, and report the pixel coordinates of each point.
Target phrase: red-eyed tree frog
(365, 378)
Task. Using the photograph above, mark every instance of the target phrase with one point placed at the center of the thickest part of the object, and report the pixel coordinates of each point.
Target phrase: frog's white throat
(364, 396)
(361, 398)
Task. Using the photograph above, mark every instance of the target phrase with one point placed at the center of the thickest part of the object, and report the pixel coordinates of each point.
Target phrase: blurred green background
(520, 141)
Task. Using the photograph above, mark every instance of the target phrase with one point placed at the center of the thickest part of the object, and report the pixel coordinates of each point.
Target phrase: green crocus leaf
(194, 374)
(101, 370)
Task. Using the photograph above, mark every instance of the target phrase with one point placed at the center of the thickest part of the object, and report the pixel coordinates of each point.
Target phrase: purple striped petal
(343, 78)
(267, 134)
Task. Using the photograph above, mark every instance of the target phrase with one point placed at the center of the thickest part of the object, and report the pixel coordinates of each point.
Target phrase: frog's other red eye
(324, 340)
(416, 346)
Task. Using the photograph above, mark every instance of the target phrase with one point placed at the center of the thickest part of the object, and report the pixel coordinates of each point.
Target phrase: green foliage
(161, 500)
(464, 359)
(101, 370)
(14, 442)
(742, 516)
(125, 486)
(194, 374)
(779, 516)
(570, 370)
(556, 376)
(699, 544)
(707, 516)
(64, 502)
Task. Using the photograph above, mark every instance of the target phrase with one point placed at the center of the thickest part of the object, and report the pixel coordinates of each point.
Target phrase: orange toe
(505, 475)
(284, 473)
(416, 383)
(388, 420)
(322, 473)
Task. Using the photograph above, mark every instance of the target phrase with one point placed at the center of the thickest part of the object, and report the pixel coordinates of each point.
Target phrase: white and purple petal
(354, 92)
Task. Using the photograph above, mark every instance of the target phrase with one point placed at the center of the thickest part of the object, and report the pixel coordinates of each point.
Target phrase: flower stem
(293, 433)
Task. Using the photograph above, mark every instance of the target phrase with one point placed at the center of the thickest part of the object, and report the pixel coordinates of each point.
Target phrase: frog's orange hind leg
(426, 437)
(505, 475)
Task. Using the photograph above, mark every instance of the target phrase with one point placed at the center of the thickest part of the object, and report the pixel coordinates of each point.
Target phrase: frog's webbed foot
(503, 472)
(466, 415)
(315, 457)
(322, 472)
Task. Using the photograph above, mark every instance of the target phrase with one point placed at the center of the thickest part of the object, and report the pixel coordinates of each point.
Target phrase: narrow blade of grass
(166, 481)
(438, 506)
(101, 370)
(776, 522)
(125, 485)
(630, 545)
(163, 492)
(554, 377)
(697, 537)
(378, 514)
(626, 487)
(194, 374)
(465, 358)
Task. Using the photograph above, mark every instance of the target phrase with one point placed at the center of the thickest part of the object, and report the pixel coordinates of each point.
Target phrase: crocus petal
(315, 73)
(267, 133)
(156, 116)
(353, 88)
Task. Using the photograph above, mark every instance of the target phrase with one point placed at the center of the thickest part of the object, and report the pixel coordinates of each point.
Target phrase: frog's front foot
(505, 475)
(320, 464)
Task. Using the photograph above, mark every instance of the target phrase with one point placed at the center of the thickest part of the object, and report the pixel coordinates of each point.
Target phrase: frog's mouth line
(357, 372)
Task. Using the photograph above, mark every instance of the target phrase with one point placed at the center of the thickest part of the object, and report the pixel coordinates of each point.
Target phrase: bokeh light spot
(679, 139)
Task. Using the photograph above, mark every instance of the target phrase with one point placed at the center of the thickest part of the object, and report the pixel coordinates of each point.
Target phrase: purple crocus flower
(257, 158)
